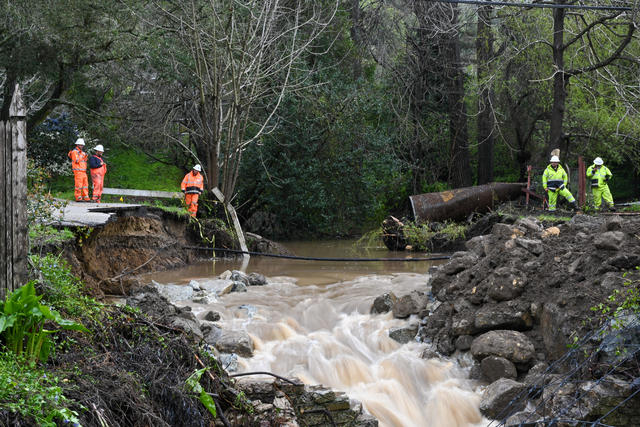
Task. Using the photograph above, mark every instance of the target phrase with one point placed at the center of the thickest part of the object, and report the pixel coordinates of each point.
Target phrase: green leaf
(208, 402)
(6, 322)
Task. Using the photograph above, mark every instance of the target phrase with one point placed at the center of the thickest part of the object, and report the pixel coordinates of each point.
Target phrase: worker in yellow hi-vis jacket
(554, 181)
(600, 176)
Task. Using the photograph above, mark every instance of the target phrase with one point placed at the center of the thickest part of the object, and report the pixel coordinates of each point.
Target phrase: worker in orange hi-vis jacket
(98, 170)
(79, 165)
(193, 185)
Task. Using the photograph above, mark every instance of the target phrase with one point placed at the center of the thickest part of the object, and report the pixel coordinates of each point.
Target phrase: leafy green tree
(47, 46)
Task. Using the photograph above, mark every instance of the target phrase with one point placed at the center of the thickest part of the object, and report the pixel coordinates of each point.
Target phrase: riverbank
(515, 301)
(549, 315)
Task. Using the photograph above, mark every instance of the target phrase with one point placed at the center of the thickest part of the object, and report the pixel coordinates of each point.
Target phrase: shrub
(49, 143)
(22, 322)
(30, 392)
(60, 288)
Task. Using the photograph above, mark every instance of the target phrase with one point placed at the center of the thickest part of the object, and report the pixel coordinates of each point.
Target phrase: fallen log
(459, 203)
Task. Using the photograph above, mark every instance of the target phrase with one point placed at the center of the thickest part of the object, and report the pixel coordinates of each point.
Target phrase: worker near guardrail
(554, 181)
(193, 185)
(79, 165)
(98, 170)
(600, 175)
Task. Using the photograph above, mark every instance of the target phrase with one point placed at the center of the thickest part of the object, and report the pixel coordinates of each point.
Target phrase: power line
(538, 5)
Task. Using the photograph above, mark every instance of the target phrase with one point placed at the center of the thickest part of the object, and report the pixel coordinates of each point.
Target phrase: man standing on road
(79, 165)
(98, 170)
(600, 175)
(554, 181)
(193, 185)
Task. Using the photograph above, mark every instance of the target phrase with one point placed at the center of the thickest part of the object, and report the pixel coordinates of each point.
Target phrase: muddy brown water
(312, 322)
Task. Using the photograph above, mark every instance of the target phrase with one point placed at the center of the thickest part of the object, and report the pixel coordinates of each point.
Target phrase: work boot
(574, 206)
(612, 208)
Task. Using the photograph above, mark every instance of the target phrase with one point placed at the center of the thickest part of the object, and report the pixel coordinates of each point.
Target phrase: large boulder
(479, 245)
(459, 261)
(505, 283)
(503, 316)
(405, 334)
(257, 279)
(532, 245)
(610, 241)
(529, 225)
(494, 367)
(409, 304)
(503, 397)
(591, 400)
(384, 303)
(505, 231)
(511, 345)
(553, 325)
(238, 342)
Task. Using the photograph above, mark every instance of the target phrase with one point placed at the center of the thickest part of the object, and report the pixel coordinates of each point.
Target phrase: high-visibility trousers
(97, 179)
(81, 191)
(553, 197)
(192, 203)
(600, 193)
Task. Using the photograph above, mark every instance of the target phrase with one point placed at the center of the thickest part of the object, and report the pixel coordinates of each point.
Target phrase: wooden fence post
(13, 200)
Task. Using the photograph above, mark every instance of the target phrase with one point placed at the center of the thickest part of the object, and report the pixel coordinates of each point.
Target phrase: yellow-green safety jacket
(600, 176)
(554, 179)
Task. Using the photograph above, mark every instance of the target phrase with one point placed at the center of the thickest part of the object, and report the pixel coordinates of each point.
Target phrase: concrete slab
(77, 214)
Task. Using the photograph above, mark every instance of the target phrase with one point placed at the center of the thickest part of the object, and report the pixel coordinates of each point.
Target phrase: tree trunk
(484, 51)
(560, 81)
(356, 36)
(459, 169)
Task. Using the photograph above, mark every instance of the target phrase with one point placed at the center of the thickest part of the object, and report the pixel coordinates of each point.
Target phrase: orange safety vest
(78, 160)
(192, 184)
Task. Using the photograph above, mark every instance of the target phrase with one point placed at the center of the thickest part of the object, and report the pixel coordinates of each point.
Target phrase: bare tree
(600, 38)
(231, 64)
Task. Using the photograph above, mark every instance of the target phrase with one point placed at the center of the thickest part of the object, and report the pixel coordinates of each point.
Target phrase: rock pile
(517, 297)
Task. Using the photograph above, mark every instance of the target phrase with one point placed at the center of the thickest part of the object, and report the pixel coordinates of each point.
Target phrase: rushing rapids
(319, 329)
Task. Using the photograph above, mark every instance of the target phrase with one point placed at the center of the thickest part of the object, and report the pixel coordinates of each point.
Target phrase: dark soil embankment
(145, 239)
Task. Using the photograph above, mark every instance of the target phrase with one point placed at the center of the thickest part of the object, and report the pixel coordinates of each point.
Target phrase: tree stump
(393, 235)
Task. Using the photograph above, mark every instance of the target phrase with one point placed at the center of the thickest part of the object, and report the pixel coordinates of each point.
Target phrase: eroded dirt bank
(145, 239)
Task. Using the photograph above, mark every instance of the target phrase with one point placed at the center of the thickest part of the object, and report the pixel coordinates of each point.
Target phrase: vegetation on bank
(68, 359)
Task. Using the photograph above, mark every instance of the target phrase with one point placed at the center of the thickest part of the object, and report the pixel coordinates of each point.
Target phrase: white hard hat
(79, 141)
(99, 148)
(598, 161)
(198, 168)
(554, 159)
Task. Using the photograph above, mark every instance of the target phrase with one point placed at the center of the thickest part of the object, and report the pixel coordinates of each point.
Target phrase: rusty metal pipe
(458, 203)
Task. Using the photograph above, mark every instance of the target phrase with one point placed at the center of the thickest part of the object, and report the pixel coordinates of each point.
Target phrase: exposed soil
(108, 258)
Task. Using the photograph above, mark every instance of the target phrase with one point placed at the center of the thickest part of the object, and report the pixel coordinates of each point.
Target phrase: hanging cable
(201, 248)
